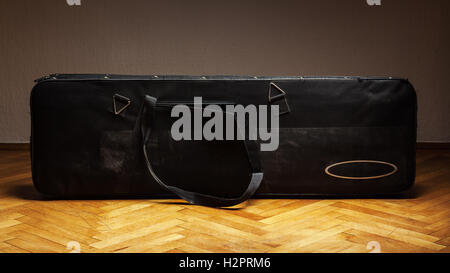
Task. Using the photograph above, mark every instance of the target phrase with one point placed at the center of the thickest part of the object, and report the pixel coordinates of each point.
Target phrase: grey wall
(407, 38)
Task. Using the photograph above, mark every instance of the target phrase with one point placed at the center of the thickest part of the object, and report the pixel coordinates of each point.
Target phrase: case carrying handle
(148, 115)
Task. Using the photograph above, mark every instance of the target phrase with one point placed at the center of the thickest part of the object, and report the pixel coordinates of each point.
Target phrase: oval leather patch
(361, 169)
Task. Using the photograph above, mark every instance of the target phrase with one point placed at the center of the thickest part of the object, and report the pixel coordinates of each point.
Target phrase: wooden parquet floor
(418, 224)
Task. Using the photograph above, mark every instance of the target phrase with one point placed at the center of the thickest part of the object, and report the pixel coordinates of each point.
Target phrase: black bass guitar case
(112, 136)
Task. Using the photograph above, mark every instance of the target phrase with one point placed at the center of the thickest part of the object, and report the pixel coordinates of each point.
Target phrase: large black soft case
(99, 136)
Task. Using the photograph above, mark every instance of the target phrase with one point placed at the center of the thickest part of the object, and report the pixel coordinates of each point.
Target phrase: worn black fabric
(81, 148)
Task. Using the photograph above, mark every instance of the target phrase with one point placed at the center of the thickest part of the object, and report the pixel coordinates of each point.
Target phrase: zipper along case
(109, 136)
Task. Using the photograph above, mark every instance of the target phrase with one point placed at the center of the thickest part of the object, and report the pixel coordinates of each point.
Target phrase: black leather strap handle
(256, 176)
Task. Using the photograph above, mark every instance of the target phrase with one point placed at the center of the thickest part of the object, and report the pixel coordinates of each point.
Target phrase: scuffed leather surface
(80, 148)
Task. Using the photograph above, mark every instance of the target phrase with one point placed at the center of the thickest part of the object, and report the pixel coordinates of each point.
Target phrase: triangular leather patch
(278, 94)
(120, 103)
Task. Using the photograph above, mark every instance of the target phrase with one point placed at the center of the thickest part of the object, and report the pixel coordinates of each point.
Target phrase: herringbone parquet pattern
(419, 224)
